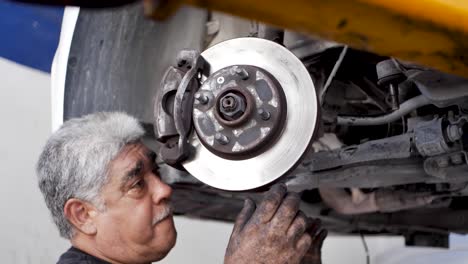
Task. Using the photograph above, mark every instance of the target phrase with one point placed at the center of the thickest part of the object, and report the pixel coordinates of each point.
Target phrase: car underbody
(388, 154)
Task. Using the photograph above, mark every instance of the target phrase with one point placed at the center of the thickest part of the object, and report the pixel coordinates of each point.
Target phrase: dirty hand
(318, 235)
(273, 232)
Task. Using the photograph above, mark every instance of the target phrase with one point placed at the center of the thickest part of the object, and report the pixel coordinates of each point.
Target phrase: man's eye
(140, 184)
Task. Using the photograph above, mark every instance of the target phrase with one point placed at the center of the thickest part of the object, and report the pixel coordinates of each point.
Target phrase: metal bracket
(438, 166)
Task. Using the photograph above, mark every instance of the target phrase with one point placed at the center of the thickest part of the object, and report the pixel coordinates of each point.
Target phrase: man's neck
(89, 246)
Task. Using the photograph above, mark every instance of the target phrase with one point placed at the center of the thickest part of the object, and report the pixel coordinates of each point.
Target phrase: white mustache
(163, 214)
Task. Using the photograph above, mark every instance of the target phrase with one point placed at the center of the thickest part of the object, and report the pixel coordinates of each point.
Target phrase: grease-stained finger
(244, 216)
(270, 203)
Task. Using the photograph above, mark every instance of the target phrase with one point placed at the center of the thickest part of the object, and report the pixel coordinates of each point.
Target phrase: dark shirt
(76, 256)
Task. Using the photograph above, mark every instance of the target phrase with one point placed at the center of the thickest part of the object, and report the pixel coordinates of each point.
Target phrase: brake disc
(254, 115)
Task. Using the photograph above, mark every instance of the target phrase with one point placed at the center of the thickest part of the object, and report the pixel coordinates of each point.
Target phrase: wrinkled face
(136, 225)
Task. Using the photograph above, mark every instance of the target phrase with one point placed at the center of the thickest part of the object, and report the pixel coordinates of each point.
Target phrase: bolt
(265, 115)
(454, 133)
(456, 159)
(442, 162)
(201, 98)
(242, 73)
(222, 139)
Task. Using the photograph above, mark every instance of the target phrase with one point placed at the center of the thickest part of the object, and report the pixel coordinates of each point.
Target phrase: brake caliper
(173, 106)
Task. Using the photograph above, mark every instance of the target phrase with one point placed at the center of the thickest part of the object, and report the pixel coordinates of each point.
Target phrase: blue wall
(29, 33)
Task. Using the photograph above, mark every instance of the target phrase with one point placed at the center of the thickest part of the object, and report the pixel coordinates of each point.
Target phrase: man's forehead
(133, 151)
(130, 156)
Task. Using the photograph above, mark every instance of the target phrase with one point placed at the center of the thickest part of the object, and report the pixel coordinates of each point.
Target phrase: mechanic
(103, 190)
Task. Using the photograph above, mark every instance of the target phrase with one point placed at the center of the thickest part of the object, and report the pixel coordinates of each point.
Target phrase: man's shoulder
(76, 256)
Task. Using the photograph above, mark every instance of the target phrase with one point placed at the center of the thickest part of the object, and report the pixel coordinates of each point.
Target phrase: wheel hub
(246, 114)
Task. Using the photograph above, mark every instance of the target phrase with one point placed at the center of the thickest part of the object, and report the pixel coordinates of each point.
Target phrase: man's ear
(81, 215)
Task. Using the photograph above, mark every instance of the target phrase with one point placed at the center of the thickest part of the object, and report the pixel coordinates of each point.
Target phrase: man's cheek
(110, 231)
(141, 226)
(165, 234)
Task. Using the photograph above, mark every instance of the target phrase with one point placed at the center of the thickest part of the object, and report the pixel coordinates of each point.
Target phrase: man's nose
(160, 191)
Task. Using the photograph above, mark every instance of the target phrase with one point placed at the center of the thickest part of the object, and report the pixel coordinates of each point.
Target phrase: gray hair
(75, 159)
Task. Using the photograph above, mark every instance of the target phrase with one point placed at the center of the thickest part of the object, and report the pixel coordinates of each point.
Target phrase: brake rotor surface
(294, 135)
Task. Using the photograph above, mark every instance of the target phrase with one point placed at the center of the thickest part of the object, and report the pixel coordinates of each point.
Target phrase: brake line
(405, 108)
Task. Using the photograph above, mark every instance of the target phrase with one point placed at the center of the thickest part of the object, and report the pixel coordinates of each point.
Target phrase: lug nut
(265, 115)
(221, 139)
(242, 73)
(201, 98)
